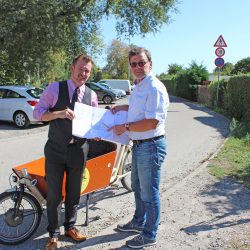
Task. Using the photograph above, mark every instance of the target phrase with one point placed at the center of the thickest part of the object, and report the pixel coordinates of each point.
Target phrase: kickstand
(87, 211)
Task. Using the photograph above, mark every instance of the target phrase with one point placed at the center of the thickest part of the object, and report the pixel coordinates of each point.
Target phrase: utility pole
(219, 61)
(128, 59)
(218, 86)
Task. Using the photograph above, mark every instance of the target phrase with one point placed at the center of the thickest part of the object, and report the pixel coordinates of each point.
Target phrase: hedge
(238, 97)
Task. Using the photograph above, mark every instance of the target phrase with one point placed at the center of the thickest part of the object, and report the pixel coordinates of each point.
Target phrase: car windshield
(105, 86)
(35, 93)
(100, 86)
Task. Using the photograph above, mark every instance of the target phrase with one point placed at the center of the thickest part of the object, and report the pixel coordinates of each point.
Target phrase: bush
(246, 139)
(238, 92)
(196, 74)
(222, 94)
(193, 92)
(188, 80)
(182, 86)
(170, 85)
(240, 129)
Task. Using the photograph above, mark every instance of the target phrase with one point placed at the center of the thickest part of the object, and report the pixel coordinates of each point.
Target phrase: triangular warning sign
(220, 42)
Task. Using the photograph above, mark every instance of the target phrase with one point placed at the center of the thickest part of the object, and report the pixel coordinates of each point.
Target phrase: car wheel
(21, 119)
(107, 99)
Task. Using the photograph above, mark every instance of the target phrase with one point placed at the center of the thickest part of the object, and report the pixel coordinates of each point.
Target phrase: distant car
(120, 92)
(118, 84)
(17, 104)
(103, 94)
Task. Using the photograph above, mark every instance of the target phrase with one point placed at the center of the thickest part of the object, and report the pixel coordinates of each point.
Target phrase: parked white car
(17, 104)
(120, 92)
(118, 84)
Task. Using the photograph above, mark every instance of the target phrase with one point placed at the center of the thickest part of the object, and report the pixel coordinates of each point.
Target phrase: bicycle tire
(17, 230)
(127, 163)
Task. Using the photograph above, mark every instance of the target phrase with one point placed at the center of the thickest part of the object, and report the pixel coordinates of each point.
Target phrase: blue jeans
(147, 159)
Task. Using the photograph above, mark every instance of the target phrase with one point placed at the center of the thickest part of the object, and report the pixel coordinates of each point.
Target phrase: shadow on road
(9, 126)
(108, 238)
(214, 119)
(226, 198)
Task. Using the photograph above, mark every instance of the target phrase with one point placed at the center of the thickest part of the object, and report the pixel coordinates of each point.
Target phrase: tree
(226, 69)
(31, 31)
(242, 66)
(117, 60)
(174, 69)
(196, 74)
(188, 80)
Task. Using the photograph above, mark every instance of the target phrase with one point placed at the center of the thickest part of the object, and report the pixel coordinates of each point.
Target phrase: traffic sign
(219, 52)
(220, 42)
(219, 62)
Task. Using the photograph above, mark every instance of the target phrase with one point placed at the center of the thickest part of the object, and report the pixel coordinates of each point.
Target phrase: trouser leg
(150, 156)
(54, 177)
(75, 166)
(139, 215)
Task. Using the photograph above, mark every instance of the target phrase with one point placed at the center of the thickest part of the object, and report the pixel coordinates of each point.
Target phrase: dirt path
(199, 213)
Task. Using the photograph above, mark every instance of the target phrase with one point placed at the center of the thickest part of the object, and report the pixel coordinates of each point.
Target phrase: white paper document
(91, 122)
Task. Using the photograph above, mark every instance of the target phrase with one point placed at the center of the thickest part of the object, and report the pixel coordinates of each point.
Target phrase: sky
(193, 32)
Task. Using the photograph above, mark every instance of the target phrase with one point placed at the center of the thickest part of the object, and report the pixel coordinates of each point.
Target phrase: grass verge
(233, 160)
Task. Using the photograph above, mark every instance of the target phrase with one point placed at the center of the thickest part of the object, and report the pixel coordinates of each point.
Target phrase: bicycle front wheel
(126, 169)
(18, 224)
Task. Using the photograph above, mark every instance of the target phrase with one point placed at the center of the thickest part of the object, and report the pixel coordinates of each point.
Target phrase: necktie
(75, 96)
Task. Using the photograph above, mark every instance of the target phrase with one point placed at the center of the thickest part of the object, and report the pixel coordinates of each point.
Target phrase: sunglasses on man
(140, 64)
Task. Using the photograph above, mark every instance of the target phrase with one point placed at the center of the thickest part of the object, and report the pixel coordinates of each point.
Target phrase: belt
(149, 139)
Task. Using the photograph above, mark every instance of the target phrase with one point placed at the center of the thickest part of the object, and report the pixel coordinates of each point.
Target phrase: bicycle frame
(117, 174)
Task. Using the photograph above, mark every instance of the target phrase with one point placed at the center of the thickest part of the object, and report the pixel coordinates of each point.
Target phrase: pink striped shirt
(50, 96)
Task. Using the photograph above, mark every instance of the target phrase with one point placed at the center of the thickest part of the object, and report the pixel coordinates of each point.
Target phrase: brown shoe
(51, 244)
(75, 234)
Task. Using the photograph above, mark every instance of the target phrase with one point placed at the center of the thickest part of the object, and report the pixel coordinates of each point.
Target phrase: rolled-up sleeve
(47, 100)
(155, 105)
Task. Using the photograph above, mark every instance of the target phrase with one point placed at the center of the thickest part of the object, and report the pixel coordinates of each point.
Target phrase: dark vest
(60, 130)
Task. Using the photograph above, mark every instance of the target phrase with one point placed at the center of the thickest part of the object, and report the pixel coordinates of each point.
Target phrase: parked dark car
(120, 92)
(103, 94)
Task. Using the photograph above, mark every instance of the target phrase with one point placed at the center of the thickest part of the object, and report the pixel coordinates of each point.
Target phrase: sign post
(219, 61)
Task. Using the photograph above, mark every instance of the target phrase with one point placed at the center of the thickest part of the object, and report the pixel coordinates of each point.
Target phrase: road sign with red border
(220, 42)
(219, 52)
(219, 62)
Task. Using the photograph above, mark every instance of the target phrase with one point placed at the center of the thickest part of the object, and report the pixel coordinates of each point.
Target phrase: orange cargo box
(96, 176)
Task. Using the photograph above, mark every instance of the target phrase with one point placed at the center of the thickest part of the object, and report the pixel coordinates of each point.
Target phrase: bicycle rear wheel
(17, 225)
(126, 168)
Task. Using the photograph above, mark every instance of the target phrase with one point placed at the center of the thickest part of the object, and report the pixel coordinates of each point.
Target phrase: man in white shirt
(147, 112)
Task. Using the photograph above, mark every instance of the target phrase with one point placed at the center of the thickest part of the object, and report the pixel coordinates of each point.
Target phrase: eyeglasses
(140, 64)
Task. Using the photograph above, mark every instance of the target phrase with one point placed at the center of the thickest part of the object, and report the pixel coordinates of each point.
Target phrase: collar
(72, 86)
(143, 80)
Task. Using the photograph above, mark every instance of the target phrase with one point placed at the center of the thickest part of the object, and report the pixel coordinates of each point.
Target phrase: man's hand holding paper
(91, 122)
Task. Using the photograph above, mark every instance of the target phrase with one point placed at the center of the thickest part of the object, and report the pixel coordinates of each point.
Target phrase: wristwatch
(126, 125)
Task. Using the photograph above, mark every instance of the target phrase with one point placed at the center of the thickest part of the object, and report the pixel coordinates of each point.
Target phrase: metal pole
(128, 60)
(217, 90)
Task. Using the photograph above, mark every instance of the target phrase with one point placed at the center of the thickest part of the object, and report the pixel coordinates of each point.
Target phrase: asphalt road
(193, 134)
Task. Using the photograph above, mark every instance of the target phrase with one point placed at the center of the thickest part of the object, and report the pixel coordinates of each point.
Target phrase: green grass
(233, 160)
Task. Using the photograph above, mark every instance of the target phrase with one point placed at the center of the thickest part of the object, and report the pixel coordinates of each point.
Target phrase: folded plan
(91, 122)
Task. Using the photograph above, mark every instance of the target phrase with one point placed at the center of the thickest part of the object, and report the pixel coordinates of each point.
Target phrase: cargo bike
(22, 205)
